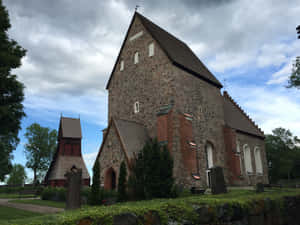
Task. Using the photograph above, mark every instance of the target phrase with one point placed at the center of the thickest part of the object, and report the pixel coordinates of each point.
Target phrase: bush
(54, 194)
(152, 175)
(122, 195)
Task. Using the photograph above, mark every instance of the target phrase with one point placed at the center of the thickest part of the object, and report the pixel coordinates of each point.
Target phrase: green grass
(8, 213)
(180, 208)
(41, 202)
(4, 195)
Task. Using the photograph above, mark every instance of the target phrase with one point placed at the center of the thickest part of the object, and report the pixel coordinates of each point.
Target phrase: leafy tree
(11, 94)
(122, 195)
(40, 147)
(95, 196)
(17, 175)
(283, 154)
(152, 174)
(294, 79)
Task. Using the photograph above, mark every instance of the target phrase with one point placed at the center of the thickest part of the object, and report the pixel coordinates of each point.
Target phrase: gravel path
(30, 207)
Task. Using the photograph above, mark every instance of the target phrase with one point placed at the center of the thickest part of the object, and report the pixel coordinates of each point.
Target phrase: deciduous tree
(11, 94)
(17, 176)
(39, 149)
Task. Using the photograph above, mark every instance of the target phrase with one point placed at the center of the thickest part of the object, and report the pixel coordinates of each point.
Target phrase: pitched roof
(63, 164)
(177, 51)
(70, 128)
(133, 136)
(237, 119)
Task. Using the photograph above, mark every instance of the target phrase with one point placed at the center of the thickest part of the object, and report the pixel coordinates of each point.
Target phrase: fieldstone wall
(149, 82)
(111, 155)
(252, 142)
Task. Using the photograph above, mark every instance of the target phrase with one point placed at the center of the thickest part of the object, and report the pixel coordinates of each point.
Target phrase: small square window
(151, 49)
(136, 107)
(136, 58)
(122, 65)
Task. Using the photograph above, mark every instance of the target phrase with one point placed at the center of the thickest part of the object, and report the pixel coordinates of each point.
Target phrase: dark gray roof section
(133, 135)
(70, 127)
(178, 52)
(237, 119)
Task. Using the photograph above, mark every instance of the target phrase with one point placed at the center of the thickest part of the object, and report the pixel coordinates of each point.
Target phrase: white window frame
(136, 58)
(136, 107)
(151, 49)
(258, 162)
(247, 159)
(209, 155)
(122, 65)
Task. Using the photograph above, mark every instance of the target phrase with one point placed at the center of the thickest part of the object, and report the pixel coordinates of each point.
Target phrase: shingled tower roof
(176, 50)
(69, 128)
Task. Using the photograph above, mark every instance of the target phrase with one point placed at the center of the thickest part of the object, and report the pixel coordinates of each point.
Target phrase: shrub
(54, 194)
(95, 197)
(122, 195)
(152, 175)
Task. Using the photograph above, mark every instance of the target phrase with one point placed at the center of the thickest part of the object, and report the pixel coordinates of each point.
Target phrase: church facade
(159, 88)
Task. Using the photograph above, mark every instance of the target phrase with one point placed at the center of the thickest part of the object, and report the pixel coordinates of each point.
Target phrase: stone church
(159, 88)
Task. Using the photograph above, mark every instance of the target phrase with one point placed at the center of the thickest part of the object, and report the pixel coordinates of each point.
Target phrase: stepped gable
(236, 118)
(177, 51)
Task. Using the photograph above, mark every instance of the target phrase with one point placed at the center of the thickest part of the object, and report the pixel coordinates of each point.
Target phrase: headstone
(74, 179)
(260, 187)
(217, 180)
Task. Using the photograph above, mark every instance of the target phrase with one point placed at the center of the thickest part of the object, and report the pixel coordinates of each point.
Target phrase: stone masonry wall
(111, 155)
(205, 103)
(252, 179)
(147, 81)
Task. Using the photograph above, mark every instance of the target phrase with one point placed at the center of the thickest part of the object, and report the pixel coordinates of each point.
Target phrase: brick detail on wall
(187, 150)
(165, 129)
(232, 157)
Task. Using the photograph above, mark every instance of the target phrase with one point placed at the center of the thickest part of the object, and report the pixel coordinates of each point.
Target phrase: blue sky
(248, 45)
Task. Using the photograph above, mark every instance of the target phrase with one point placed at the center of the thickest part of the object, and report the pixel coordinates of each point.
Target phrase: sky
(72, 46)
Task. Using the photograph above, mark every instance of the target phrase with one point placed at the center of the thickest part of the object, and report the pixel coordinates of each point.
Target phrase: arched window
(258, 162)
(238, 154)
(136, 107)
(209, 155)
(247, 158)
(136, 58)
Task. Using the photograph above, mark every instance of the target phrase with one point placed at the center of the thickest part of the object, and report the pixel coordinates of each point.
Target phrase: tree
(152, 174)
(122, 195)
(283, 154)
(11, 94)
(40, 147)
(294, 79)
(17, 176)
(95, 196)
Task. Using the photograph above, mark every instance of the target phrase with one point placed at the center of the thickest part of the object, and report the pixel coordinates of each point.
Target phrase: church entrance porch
(110, 179)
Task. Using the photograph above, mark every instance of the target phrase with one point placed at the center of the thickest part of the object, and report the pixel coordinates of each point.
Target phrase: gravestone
(74, 179)
(260, 187)
(217, 180)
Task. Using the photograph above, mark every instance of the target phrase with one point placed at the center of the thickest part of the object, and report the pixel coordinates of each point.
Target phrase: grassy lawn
(41, 202)
(182, 207)
(7, 213)
(4, 195)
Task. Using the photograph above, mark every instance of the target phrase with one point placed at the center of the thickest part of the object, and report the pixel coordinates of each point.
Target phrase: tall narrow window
(122, 65)
(247, 158)
(136, 58)
(136, 107)
(209, 155)
(258, 162)
(151, 49)
(238, 154)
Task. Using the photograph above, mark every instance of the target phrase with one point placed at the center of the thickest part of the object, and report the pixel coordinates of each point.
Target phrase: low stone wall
(285, 211)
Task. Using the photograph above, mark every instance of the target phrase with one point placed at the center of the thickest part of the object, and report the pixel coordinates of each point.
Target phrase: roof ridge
(145, 18)
(227, 96)
(129, 121)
